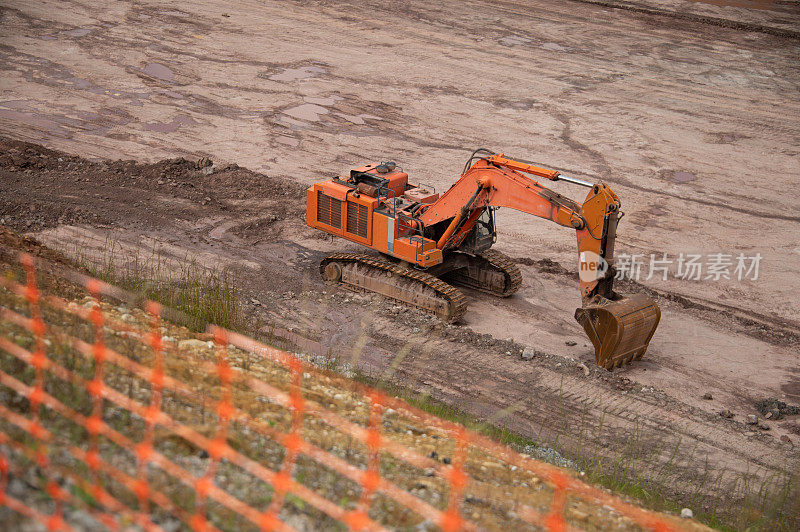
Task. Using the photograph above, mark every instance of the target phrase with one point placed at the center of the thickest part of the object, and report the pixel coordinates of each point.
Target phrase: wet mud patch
(77, 32)
(296, 71)
(171, 126)
(726, 138)
(680, 177)
(295, 74)
(165, 74)
(51, 74)
(345, 113)
(159, 71)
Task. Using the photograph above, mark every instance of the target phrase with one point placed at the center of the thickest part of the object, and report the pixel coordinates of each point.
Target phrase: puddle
(290, 141)
(15, 104)
(80, 83)
(683, 177)
(169, 127)
(173, 94)
(359, 121)
(327, 102)
(157, 70)
(32, 119)
(293, 74)
(554, 47)
(514, 40)
(307, 111)
(77, 32)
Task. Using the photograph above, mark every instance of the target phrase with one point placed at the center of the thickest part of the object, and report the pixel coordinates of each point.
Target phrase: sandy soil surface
(164, 212)
(694, 123)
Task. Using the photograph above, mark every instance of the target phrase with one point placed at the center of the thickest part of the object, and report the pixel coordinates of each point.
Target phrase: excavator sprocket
(407, 285)
(491, 272)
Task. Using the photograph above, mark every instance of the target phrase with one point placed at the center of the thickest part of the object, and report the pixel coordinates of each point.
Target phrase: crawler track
(409, 286)
(486, 262)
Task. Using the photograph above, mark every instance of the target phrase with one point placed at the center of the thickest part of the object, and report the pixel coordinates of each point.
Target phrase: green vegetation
(202, 295)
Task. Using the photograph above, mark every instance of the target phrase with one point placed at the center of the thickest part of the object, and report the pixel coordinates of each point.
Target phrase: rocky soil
(496, 495)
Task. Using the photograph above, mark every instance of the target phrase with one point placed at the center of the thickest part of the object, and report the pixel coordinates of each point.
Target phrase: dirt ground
(688, 110)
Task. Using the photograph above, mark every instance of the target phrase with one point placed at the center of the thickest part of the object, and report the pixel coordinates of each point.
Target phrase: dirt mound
(778, 409)
(69, 188)
(10, 242)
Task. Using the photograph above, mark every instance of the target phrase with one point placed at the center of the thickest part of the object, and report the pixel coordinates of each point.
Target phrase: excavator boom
(448, 236)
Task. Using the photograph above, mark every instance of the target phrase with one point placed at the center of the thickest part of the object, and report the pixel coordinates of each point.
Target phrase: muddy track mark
(700, 19)
(557, 406)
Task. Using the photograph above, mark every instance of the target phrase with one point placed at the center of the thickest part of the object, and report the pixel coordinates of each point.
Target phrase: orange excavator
(431, 243)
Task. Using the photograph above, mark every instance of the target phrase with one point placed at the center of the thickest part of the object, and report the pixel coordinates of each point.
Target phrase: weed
(203, 295)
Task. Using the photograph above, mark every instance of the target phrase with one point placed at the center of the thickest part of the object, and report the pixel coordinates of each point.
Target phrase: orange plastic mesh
(114, 511)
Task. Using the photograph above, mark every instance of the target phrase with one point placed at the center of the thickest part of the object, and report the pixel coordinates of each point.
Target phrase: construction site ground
(688, 110)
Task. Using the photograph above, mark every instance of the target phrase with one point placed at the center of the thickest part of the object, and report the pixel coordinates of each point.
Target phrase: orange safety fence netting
(120, 494)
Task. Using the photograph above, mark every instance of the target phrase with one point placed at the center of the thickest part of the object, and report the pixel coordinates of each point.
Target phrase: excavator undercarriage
(431, 243)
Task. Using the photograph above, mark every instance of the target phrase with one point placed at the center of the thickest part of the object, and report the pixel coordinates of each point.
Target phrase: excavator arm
(496, 181)
(619, 327)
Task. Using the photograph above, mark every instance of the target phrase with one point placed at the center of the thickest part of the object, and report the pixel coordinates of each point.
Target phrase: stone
(763, 426)
(570, 343)
(727, 414)
(170, 524)
(584, 368)
(529, 353)
(707, 396)
(687, 513)
(786, 439)
(191, 343)
(752, 420)
(492, 465)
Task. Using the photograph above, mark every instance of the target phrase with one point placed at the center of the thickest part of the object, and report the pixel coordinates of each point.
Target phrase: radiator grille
(329, 210)
(357, 219)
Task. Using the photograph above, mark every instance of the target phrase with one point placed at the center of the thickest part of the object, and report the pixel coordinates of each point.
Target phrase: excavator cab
(483, 236)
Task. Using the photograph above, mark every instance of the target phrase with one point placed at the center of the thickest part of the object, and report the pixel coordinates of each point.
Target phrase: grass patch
(203, 295)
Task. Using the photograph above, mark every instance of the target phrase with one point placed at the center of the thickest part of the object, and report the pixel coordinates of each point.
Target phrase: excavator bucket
(620, 330)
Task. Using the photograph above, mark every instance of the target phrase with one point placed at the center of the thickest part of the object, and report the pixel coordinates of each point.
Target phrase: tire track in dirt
(700, 19)
(585, 412)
